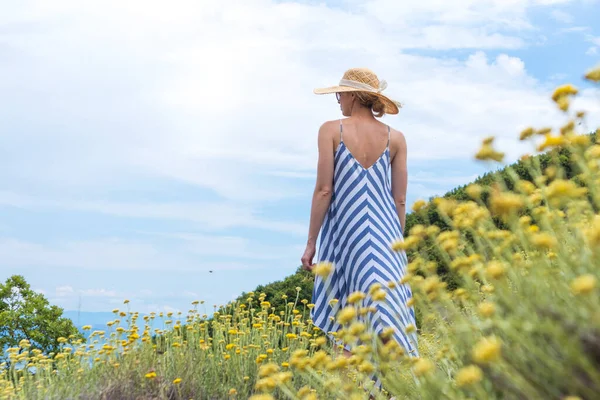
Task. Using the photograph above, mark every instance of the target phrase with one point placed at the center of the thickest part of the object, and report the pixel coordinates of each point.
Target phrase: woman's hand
(307, 257)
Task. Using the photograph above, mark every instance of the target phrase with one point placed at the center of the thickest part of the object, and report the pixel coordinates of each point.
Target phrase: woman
(358, 208)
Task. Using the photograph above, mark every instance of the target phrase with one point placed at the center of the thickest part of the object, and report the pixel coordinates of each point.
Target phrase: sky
(144, 144)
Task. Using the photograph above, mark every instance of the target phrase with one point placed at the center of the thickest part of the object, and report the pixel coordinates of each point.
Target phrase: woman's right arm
(400, 178)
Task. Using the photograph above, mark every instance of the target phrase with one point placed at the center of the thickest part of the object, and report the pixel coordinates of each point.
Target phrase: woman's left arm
(322, 193)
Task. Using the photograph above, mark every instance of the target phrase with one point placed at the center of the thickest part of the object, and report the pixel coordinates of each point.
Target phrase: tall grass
(524, 324)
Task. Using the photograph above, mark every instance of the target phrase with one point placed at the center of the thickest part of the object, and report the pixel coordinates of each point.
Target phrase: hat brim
(390, 106)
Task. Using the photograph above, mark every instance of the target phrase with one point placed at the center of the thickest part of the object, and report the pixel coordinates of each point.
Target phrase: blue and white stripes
(356, 237)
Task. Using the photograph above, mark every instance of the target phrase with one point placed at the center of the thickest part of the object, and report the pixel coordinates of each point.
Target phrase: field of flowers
(523, 324)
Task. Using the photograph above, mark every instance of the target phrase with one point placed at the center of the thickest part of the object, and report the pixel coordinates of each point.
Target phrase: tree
(26, 314)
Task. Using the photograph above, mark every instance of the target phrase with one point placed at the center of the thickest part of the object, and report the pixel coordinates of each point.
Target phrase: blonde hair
(371, 101)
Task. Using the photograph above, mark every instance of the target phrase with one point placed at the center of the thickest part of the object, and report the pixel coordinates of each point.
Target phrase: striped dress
(356, 238)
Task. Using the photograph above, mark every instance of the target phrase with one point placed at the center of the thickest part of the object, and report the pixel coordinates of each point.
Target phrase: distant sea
(98, 321)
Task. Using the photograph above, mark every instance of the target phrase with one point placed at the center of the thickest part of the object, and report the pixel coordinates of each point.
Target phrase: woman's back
(366, 140)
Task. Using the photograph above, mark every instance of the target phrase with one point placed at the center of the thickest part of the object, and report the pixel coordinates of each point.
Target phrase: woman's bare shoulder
(397, 142)
(397, 137)
(329, 128)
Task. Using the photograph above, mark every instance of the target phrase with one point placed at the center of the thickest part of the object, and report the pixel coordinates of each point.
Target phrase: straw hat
(363, 80)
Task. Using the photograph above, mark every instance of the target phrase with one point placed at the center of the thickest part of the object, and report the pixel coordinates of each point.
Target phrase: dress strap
(341, 130)
(388, 143)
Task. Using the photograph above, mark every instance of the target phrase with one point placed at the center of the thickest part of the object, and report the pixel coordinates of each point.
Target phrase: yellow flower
(561, 190)
(423, 366)
(406, 243)
(232, 392)
(487, 152)
(543, 131)
(357, 328)
(564, 90)
(593, 152)
(474, 191)
(265, 396)
(544, 240)
(177, 381)
(469, 375)
(525, 187)
(583, 284)
(504, 204)
(151, 375)
(580, 140)
(486, 309)
(525, 133)
(356, 297)
(561, 95)
(593, 75)
(268, 370)
(346, 315)
(487, 350)
(551, 141)
(303, 392)
(495, 270)
(323, 269)
(366, 367)
(378, 295)
(418, 205)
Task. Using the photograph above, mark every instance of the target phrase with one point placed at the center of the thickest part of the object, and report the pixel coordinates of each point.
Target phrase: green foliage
(561, 158)
(283, 291)
(26, 314)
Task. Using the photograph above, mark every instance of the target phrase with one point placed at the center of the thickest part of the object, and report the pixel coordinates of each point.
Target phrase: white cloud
(595, 40)
(592, 51)
(446, 179)
(97, 293)
(210, 215)
(119, 254)
(222, 99)
(63, 291)
(562, 16)
(229, 246)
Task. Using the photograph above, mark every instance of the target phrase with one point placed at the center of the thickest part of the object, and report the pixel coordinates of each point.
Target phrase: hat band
(364, 86)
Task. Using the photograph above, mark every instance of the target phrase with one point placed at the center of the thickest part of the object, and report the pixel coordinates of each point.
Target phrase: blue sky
(144, 144)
